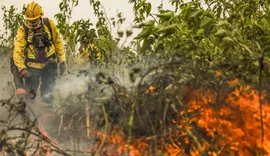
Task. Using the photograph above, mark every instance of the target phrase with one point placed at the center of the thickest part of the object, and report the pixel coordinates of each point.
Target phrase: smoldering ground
(68, 90)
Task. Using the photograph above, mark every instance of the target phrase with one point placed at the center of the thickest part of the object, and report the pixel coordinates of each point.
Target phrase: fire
(233, 124)
(43, 146)
(150, 89)
(218, 72)
(116, 144)
(229, 125)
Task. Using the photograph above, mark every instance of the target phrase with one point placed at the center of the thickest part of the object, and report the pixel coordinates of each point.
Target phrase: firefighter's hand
(62, 68)
(25, 73)
(21, 93)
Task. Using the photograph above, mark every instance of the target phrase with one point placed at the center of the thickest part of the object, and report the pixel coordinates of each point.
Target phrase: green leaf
(206, 23)
(219, 11)
(148, 9)
(144, 33)
(200, 32)
(129, 33)
(165, 16)
(221, 32)
(196, 13)
(185, 78)
(222, 23)
(227, 39)
(167, 28)
(120, 33)
(149, 23)
(256, 64)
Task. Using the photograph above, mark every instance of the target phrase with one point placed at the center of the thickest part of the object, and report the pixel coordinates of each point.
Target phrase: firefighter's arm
(58, 44)
(19, 48)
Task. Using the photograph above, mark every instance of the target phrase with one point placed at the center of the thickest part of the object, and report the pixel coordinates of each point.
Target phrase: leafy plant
(12, 21)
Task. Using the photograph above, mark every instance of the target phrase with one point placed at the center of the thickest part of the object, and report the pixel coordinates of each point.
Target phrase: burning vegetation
(156, 117)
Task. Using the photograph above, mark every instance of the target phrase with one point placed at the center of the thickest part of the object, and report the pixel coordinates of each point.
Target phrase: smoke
(6, 88)
(78, 81)
(72, 84)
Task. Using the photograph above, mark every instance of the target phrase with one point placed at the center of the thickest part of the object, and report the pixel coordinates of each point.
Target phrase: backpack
(46, 22)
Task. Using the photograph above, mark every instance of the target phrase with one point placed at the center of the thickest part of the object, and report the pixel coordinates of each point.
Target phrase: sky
(85, 11)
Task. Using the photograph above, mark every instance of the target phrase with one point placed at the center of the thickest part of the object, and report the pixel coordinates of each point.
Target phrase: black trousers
(46, 77)
(16, 75)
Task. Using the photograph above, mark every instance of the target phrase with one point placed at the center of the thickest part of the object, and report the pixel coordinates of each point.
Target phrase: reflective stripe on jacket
(20, 44)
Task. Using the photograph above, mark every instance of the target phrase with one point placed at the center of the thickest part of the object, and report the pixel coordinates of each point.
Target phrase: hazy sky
(84, 10)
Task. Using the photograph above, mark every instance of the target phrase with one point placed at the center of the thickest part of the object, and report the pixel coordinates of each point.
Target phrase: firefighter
(38, 52)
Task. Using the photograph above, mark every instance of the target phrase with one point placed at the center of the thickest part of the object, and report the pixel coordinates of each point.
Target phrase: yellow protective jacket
(20, 46)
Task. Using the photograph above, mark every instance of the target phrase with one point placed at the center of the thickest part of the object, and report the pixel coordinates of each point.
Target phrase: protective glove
(21, 93)
(62, 68)
(25, 73)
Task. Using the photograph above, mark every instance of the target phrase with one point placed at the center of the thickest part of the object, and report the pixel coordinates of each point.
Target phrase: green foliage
(141, 10)
(67, 30)
(12, 21)
(227, 36)
(100, 13)
(82, 33)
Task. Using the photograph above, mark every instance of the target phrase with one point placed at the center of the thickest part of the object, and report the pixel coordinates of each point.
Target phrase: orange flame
(234, 123)
(230, 124)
